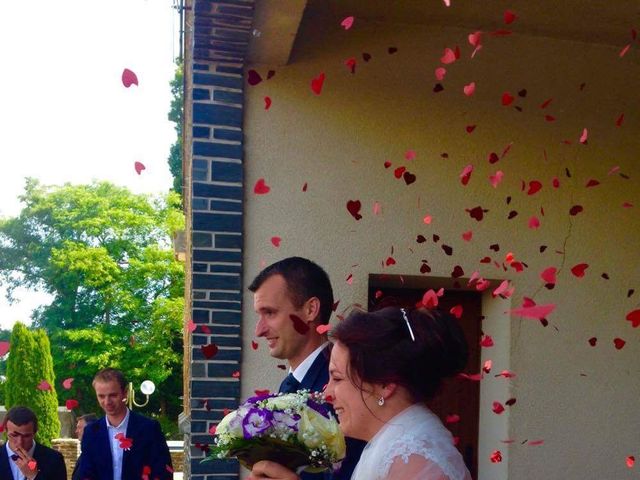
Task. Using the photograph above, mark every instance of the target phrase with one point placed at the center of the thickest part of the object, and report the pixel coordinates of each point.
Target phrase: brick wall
(221, 32)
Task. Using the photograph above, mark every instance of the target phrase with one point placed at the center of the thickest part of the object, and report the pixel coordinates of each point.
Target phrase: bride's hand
(272, 471)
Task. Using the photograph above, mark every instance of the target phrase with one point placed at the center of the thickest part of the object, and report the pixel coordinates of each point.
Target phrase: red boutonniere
(125, 443)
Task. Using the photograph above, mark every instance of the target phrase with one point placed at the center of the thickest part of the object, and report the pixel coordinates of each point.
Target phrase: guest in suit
(123, 445)
(21, 457)
(82, 422)
(292, 298)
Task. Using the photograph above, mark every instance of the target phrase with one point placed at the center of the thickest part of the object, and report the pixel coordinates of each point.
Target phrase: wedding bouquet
(296, 430)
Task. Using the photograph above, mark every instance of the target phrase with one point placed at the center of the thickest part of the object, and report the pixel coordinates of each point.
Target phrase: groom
(292, 298)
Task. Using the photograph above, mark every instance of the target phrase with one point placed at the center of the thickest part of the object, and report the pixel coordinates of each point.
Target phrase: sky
(65, 115)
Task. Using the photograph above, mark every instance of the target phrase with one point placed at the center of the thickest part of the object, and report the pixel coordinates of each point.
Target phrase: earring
(381, 401)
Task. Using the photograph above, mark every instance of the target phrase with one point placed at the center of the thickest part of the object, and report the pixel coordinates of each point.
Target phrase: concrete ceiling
(606, 22)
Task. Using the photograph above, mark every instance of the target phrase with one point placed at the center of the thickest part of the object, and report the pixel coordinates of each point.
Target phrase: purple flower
(321, 409)
(255, 422)
(281, 419)
(258, 398)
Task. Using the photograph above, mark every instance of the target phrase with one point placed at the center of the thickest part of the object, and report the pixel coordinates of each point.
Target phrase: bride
(384, 366)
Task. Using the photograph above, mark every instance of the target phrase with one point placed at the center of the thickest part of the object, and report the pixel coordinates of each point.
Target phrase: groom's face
(275, 310)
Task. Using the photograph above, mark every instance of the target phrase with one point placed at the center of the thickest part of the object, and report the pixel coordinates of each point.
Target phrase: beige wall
(581, 400)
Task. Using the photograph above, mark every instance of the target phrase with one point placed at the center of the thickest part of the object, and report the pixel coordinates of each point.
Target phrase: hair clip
(404, 315)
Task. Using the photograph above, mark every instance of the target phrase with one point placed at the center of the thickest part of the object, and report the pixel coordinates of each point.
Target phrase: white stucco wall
(580, 400)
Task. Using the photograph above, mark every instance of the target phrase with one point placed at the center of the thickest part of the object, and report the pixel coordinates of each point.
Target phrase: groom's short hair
(305, 279)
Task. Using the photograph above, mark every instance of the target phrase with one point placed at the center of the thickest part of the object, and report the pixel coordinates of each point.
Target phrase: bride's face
(354, 406)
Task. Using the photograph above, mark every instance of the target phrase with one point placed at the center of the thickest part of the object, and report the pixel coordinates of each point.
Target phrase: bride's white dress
(414, 445)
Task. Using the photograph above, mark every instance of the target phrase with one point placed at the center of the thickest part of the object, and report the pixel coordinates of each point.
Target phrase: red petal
(456, 311)
(44, 386)
(317, 83)
(631, 460)
(549, 275)
(299, 325)
(66, 383)
(497, 408)
(578, 270)
(619, 343)
(448, 56)
(267, 103)
(129, 78)
(592, 183)
(507, 99)
(354, 206)
(276, 241)
(509, 17)
(534, 187)
(486, 341)
(575, 210)
(469, 89)
(537, 311)
(624, 50)
(253, 78)
(322, 329)
(534, 222)
(466, 174)
(546, 103)
(634, 318)
(620, 120)
(261, 188)
(347, 23)
(209, 351)
(71, 404)
(466, 236)
(593, 341)
(454, 418)
(139, 167)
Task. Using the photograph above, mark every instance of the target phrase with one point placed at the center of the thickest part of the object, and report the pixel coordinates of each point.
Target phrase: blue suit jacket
(149, 449)
(50, 463)
(315, 380)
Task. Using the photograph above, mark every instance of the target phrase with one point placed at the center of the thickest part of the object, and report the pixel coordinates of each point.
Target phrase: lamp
(147, 388)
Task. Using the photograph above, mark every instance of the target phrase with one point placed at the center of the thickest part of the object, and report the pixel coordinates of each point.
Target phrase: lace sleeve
(415, 468)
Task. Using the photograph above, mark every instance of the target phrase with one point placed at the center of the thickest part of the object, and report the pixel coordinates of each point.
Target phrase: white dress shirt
(15, 471)
(304, 367)
(117, 453)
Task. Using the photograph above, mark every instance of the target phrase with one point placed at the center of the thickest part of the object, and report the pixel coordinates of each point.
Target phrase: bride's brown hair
(417, 352)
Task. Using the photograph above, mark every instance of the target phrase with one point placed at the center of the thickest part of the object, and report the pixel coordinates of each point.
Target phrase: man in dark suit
(292, 298)
(22, 457)
(123, 445)
(82, 422)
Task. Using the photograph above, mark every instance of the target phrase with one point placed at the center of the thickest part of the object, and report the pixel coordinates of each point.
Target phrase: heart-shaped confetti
(593, 341)
(507, 99)
(317, 84)
(575, 210)
(399, 171)
(354, 206)
(486, 341)
(347, 23)
(267, 103)
(469, 89)
(619, 343)
(467, 236)
(253, 78)
(4, 348)
(497, 408)
(477, 213)
(448, 56)
(457, 311)
(457, 272)
(71, 404)
(534, 311)
(534, 223)
(509, 17)
(409, 178)
(549, 275)
(209, 351)
(584, 136)
(323, 329)
(534, 187)
(350, 63)
(496, 456)
(139, 167)
(66, 383)
(579, 270)
(440, 73)
(276, 241)
(465, 176)
(634, 318)
(129, 78)
(261, 188)
(496, 179)
(254, 344)
(44, 386)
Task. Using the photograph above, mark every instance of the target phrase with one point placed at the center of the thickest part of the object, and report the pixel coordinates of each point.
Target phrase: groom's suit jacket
(148, 449)
(50, 464)
(315, 380)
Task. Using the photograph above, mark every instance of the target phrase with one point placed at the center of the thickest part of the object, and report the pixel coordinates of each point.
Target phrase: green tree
(176, 115)
(28, 368)
(104, 254)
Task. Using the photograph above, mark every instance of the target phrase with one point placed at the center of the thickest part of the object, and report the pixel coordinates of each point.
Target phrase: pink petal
(534, 222)
(466, 236)
(584, 136)
(440, 73)
(475, 38)
(66, 383)
(538, 311)
(410, 155)
(624, 50)
(469, 89)
(549, 275)
(496, 179)
(347, 23)
(466, 174)
(129, 78)
(139, 167)
(448, 56)
(276, 241)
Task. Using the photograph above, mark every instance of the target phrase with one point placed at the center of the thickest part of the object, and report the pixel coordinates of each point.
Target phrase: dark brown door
(458, 397)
